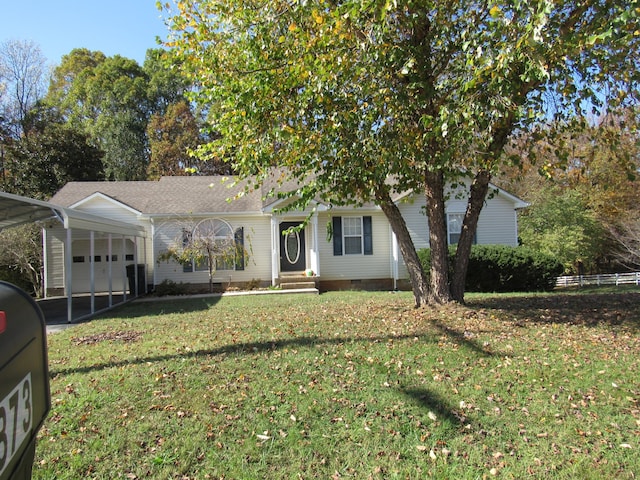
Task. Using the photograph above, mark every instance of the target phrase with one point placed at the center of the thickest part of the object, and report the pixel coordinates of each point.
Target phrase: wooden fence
(604, 279)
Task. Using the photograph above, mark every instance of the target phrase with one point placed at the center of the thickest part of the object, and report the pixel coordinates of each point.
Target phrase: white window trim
(449, 231)
(199, 267)
(345, 236)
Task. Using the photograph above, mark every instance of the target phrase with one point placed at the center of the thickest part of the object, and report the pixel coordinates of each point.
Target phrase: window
(215, 237)
(78, 259)
(454, 227)
(201, 265)
(352, 236)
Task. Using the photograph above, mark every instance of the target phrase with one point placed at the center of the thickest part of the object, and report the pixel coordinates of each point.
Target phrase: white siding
(356, 267)
(104, 207)
(54, 251)
(497, 224)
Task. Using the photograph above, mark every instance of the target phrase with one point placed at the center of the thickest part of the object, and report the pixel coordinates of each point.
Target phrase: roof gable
(517, 202)
(99, 198)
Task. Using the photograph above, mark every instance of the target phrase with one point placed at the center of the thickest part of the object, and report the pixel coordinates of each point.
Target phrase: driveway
(55, 309)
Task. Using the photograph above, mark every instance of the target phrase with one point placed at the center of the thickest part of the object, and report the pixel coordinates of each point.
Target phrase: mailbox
(24, 380)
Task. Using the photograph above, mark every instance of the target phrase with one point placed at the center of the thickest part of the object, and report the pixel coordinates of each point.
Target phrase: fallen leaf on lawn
(432, 416)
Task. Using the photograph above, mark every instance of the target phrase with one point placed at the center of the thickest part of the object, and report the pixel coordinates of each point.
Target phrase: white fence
(608, 279)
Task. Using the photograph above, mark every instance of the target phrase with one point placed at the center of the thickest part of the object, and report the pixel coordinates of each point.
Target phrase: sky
(114, 27)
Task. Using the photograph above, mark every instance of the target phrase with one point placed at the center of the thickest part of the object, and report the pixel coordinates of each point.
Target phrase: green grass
(348, 385)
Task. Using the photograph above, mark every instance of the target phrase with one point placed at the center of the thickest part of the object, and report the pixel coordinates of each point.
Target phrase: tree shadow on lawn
(612, 309)
(147, 306)
(441, 408)
(252, 348)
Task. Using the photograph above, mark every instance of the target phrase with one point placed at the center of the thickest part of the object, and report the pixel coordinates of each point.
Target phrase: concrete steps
(297, 281)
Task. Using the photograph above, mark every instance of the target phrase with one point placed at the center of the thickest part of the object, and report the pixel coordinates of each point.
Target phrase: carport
(17, 210)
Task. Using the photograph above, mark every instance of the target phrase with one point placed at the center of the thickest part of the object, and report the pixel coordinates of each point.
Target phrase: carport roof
(17, 210)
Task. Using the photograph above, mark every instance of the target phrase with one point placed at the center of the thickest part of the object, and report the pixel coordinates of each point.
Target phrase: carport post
(124, 270)
(92, 270)
(110, 259)
(67, 265)
(135, 264)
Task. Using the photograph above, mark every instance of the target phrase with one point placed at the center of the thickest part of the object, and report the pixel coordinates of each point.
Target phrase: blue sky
(124, 27)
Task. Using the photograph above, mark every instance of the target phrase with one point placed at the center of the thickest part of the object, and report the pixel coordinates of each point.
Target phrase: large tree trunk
(417, 276)
(478, 193)
(434, 192)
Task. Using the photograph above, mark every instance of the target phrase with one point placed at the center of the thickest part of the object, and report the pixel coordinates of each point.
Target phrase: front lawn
(348, 385)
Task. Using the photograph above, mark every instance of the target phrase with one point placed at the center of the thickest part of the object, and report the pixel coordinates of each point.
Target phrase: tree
(627, 236)
(166, 86)
(560, 224)
(107, 98)
(347, 94)
(208, 243)
(23, 77)
(21, 256)
(49, 154)
(171, 136)
(113, 99)
(587, 195)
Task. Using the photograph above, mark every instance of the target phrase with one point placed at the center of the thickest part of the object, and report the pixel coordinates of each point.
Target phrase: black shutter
(238, 237)
(367, 235)
(337, 235)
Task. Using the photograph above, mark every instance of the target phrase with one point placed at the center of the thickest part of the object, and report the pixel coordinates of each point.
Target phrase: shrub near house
(500, 268)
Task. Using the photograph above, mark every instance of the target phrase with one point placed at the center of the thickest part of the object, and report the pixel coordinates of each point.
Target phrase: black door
(292, 248)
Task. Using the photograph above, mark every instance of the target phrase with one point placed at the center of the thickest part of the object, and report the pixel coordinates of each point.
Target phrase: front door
(292, 248)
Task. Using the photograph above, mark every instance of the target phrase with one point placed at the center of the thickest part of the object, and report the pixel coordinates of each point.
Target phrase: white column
(144, 262)
(124, 268)
(275, 250)
(92, 270)
(45, 262)
(68, 259)
(110, 260)
(135, 265)
(394, 259)
(315, 249)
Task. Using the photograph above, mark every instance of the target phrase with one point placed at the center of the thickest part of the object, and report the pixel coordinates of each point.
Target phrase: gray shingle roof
(169, 195)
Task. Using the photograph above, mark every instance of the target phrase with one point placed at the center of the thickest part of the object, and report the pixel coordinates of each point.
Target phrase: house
(344, 247)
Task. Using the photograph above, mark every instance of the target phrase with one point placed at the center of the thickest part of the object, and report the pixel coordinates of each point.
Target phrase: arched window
(215, 238)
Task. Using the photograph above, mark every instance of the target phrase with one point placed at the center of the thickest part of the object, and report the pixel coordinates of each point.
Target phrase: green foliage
(347, 94)
(48, 155)
(560, 224)
(21, 257)
(15, 276)
(112, 99)
(169, 287)
(500, 268)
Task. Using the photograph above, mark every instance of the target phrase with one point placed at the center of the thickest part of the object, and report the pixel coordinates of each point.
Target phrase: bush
(169, 287)
(15, 277)
(499, 268)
